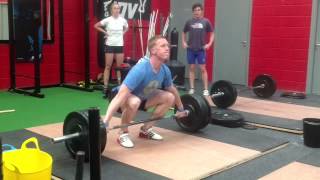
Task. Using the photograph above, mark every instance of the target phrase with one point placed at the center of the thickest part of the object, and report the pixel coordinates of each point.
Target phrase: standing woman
(113, 27)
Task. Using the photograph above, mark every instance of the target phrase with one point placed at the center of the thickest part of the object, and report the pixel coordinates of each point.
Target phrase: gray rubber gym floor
(295, 151)
(293, 148)
(260, 139)
(64, 166)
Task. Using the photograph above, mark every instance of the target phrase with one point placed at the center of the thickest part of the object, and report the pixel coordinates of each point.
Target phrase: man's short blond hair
(152, 41)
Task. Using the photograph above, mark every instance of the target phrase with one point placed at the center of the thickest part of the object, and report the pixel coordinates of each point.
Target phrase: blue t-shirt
(142, 80)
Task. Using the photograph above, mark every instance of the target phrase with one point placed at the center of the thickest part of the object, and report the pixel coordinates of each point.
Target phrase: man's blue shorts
(194, 56)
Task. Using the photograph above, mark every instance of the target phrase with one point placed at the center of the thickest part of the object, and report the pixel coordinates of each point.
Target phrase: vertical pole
(35, 32)
(44, 17)
(80, 160)
(134, 41)
(12, 50)
(61, 41)
(94, 144)
(86, 44)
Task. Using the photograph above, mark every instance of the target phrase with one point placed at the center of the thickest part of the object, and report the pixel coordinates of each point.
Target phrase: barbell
(76, 125)
(224, 94)
(264, 86)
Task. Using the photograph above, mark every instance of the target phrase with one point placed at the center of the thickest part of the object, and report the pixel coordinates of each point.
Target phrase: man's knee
(170, 98)
(133, 104)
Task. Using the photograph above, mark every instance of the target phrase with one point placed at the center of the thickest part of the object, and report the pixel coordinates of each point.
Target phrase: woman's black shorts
(113, 49)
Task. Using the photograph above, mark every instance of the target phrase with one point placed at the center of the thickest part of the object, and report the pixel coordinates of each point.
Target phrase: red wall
(74, 47)
(209, 13)
(50, 65)
(280, 41)
(280, 33)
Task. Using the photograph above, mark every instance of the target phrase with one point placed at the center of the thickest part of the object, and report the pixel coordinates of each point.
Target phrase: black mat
(64, 166)
(272, 121)
(312, 158)
(264, 165)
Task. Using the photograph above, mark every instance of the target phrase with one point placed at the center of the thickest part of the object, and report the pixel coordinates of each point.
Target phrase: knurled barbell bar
(76, 125)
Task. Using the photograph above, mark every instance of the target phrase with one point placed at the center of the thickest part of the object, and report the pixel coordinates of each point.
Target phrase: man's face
(162, 49)
(197, 12)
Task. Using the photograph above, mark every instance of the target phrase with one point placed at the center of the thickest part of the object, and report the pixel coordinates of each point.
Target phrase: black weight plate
(227, 118)
(295, 95)
(268, 90)
(78, 121)
(207, 106)
(229, 97)
(198, 116)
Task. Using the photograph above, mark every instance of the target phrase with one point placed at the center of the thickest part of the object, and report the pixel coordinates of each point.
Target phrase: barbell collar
(66, 137)
(218, 94)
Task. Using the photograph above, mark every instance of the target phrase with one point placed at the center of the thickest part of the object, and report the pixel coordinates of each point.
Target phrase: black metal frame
(45, 41)
(37, 88)
(86, 87)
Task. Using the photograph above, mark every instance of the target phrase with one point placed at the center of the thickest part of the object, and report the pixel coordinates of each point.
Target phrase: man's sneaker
(206, 92)
(125, 141)
(191, 91)
(150, 134)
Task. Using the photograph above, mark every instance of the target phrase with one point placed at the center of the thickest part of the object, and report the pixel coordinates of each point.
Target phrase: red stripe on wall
(209, 13)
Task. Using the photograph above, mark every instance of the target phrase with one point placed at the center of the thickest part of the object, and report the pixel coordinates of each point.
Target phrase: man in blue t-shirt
(148, 84)
(197, 29)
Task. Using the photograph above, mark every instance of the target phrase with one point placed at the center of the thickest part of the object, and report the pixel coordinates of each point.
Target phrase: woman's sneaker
(150, 134)
(191, 91)
(125, 141)
(105, 92)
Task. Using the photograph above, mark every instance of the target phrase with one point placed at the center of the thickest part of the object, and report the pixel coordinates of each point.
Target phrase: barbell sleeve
(217, 94)
(259, 87)
(66, 137)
